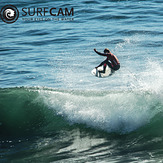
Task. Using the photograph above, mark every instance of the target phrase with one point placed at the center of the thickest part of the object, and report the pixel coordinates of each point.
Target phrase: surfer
(111, 60)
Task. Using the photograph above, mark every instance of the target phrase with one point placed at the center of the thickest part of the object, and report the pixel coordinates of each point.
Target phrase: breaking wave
(45, 110)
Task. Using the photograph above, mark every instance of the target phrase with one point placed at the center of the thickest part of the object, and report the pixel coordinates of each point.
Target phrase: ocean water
(52, 109)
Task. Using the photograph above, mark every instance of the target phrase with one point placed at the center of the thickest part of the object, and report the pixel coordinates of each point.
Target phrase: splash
(121, 112)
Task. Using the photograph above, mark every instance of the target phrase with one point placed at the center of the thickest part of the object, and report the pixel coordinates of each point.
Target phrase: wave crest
(26, 110)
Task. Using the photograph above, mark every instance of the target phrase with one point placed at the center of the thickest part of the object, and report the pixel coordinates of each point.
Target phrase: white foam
(112, 112)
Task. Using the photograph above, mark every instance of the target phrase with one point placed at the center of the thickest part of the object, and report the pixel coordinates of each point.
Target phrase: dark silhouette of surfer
(111, 60)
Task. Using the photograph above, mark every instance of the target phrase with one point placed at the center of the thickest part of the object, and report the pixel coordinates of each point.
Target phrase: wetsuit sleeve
(103, 54)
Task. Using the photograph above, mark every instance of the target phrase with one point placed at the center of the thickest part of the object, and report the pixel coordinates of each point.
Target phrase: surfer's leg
(102, 63)
(110, 65)
(104, 68)
(115, 68)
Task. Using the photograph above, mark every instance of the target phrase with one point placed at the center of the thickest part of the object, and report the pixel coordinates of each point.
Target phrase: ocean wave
(43, 110)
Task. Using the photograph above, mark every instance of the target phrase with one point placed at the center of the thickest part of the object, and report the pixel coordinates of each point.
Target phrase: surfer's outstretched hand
(95, 50)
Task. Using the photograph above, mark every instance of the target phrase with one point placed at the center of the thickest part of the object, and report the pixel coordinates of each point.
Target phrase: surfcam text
(45, 11)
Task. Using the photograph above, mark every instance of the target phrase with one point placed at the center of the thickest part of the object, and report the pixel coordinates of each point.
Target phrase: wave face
(43, 110)
(23, 111)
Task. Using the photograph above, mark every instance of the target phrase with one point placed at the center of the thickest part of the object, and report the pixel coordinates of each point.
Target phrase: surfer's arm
(103, 54)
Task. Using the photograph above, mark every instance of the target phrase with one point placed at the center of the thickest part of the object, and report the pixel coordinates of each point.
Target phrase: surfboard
(107, 72)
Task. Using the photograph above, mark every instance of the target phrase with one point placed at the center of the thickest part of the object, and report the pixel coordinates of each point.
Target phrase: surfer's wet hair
(106, 50)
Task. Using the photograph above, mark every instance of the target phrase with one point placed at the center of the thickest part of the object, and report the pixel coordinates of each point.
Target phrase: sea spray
(120, 112)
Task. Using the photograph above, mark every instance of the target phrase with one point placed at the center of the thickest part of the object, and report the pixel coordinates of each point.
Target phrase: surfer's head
(106, 50)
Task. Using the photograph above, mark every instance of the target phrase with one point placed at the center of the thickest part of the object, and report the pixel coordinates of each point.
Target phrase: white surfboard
(107, 72)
